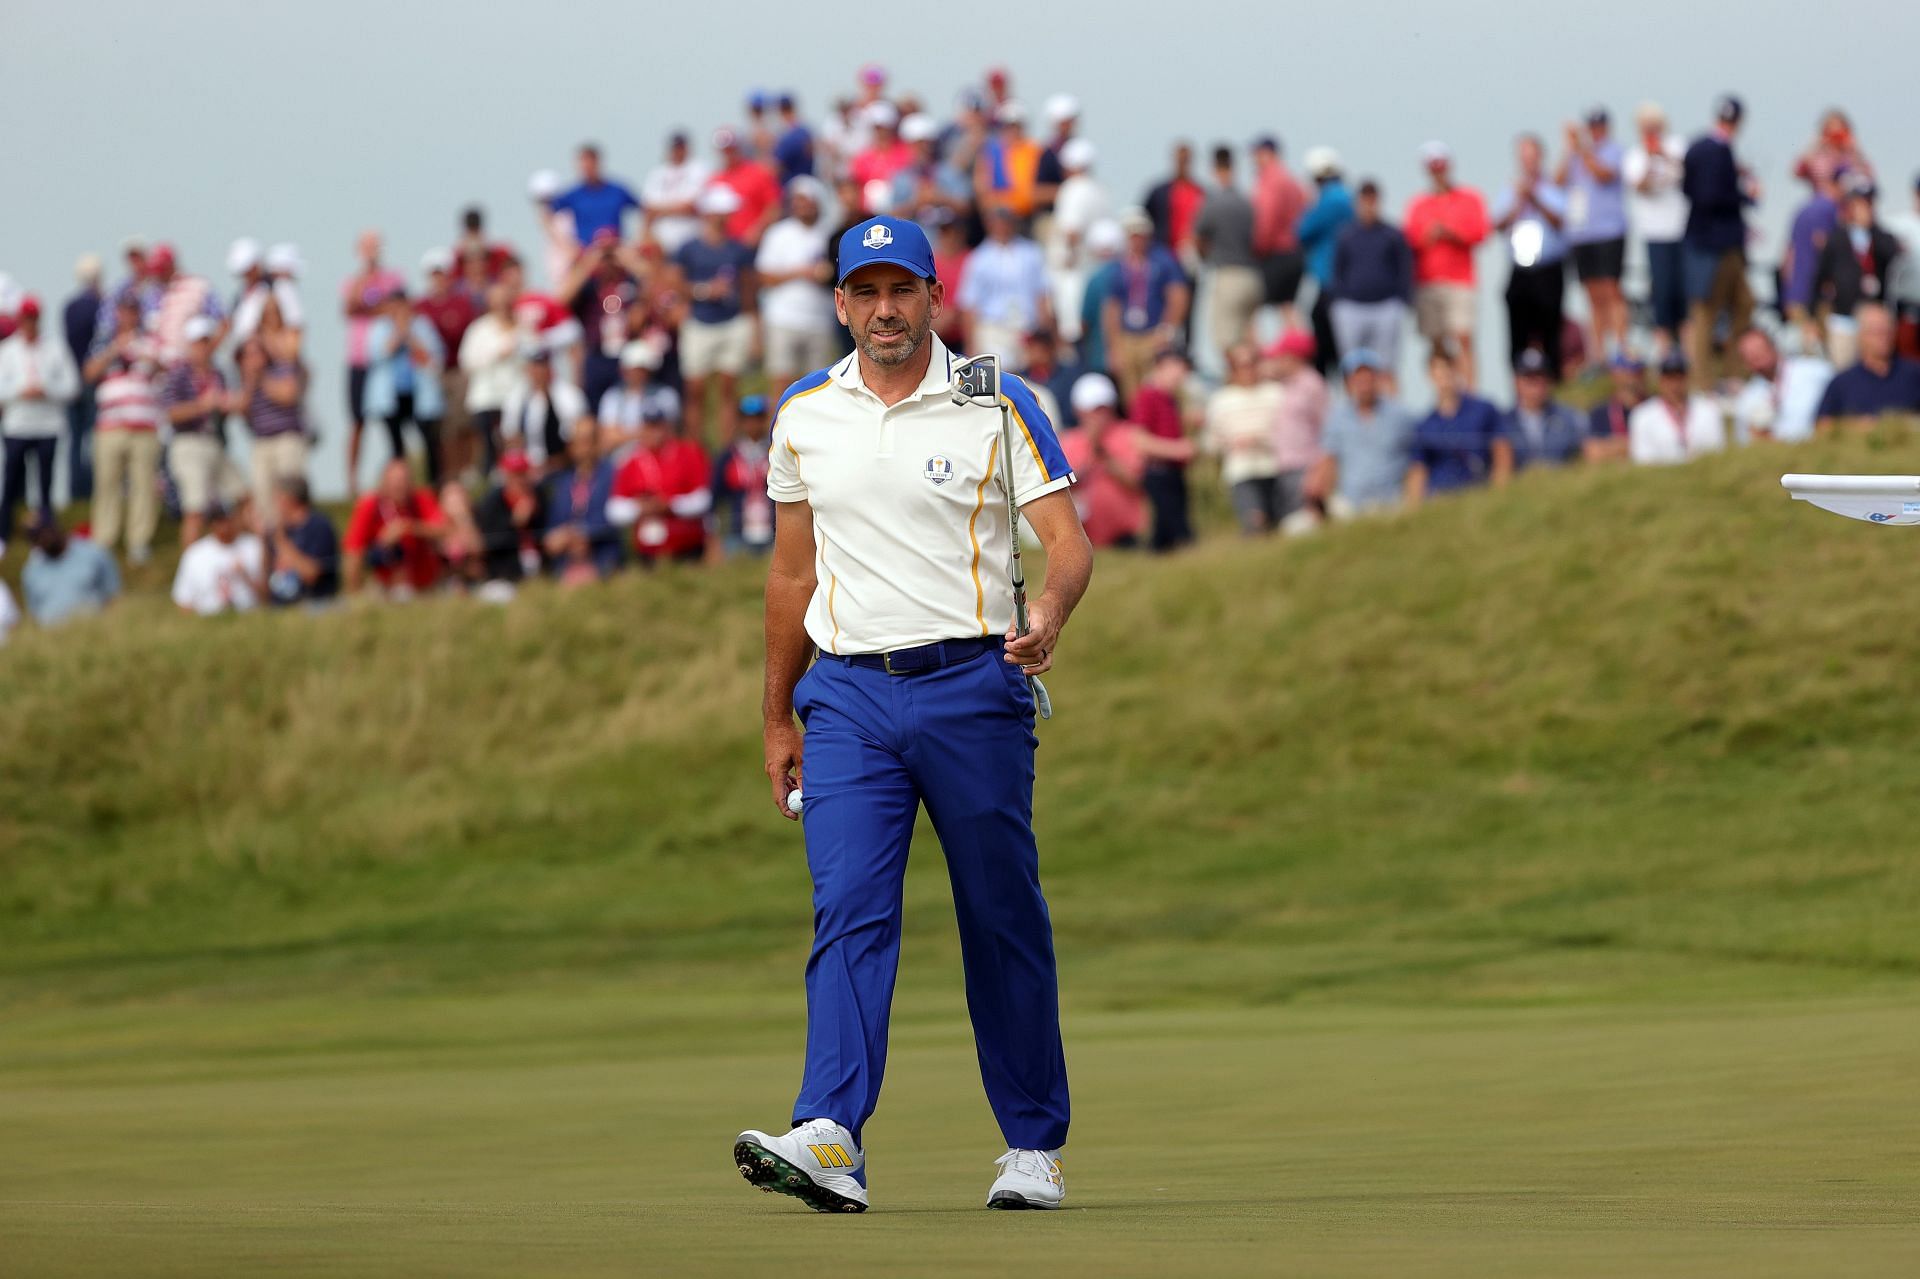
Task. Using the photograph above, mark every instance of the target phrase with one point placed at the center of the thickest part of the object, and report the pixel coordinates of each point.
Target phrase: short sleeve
(1039, 464)
(783, 469)
(783, 456)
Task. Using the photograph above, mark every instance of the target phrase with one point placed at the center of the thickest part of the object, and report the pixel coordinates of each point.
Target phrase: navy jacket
(1562, 437)
(79, 317)
(1372, 264)
(602, 532)
(1710, 179)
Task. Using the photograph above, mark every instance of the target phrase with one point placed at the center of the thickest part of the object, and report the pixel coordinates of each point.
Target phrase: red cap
(1294, 342)
(160, 256)
(514, 462)
(29, 306)
(996, 75)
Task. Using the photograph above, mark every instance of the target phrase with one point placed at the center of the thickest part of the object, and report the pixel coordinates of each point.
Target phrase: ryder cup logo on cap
(891, 240)
(939, 469)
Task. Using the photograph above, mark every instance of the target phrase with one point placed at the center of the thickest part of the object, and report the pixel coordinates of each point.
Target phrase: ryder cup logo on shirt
(939, 469)
(877, 237)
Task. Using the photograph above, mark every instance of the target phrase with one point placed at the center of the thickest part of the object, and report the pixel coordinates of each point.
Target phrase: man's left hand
(1033, 652)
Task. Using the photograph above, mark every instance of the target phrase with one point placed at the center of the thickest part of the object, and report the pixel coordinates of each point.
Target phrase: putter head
(976, 380)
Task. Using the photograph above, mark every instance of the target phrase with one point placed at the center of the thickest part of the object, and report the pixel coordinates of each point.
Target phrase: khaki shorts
(706, 349)
(201, 472)
(276, 458)
(1443, 310)
(799, 350)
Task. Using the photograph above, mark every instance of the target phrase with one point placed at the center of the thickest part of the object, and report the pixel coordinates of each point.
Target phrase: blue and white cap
(883, 239)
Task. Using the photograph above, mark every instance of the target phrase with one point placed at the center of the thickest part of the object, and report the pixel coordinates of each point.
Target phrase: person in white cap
(1104, 242)
(1080, 202)
(1006, 175)
(246, 262)
(668, 195)
(930, 190)
(243, 260)
(636, 400)
(559, 233)
(1108, 456)
(716, 282)
(1319, 232)
(284, 269)
(1443, 226)
(196, 400)
(1145, 304)
(796, 293)
(1062, 112)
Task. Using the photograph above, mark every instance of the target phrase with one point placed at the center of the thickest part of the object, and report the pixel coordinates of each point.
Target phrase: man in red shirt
(1164, 439)
(662, 491)
(1174, 206)
(1443, 227)
(394, 536)
(1105, 453)
(753, 182)
(450, 309)
(1278, 202)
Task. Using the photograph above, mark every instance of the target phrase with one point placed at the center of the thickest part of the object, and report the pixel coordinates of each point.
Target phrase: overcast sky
(203, 120)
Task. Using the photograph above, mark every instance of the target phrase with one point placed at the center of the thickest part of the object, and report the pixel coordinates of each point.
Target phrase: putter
(976, 381)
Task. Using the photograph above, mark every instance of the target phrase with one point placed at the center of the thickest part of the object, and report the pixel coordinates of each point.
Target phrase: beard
(893, 356)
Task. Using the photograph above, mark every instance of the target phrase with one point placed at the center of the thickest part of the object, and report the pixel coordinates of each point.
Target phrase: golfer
(890, 562)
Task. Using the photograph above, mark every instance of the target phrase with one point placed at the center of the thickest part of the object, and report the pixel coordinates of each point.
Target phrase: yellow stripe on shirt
(833, 585)
(798, 395)
(1037, 459)
(973, 534)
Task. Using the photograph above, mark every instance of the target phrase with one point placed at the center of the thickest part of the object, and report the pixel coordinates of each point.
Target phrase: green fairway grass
(1526, 885)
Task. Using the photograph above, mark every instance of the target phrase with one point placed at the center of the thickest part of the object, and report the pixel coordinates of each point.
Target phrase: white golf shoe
(817, 1163)
(1028, 1179)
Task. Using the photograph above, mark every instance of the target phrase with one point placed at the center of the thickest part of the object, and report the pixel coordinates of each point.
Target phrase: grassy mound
(1607, 732)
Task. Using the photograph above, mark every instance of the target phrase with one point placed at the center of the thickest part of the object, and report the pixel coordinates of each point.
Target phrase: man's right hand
(783, 764)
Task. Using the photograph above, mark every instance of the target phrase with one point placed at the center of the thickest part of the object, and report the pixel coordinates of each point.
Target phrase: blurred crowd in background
(603, 398)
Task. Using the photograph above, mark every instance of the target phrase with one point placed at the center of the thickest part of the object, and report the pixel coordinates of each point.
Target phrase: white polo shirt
(909, 517)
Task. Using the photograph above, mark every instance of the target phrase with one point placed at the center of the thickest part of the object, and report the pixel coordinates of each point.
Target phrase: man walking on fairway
(891, 551)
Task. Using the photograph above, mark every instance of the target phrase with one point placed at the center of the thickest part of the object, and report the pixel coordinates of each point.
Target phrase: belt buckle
(886, 664)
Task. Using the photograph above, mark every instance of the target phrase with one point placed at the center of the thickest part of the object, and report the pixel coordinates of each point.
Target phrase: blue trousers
(960, 740)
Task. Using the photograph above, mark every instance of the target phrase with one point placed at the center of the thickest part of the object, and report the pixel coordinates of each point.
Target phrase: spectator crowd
(603, 398)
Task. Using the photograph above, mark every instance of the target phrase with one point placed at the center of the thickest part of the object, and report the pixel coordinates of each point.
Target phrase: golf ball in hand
(793, 800)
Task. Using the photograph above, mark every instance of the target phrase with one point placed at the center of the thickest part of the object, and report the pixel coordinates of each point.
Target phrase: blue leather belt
(926, 657)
